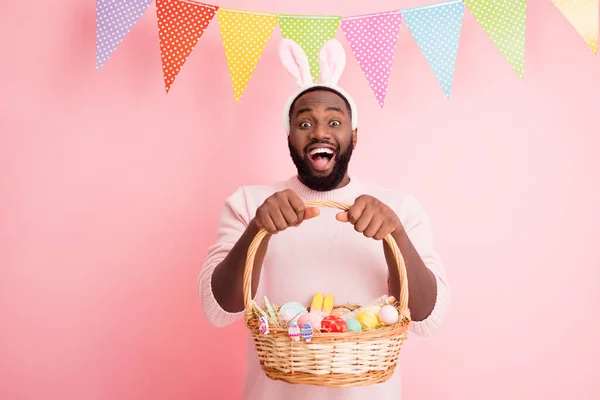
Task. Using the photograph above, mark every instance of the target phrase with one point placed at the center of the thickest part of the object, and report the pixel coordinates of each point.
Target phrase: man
(310, 250)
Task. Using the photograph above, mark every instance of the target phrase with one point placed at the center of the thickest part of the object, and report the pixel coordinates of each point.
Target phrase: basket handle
(254, 245)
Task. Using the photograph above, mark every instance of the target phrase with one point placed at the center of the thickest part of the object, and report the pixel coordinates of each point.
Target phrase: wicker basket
(329, 359)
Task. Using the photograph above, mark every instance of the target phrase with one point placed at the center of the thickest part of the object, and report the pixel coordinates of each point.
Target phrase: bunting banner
(311, 33)
(114, 20)
(583, 16)
(373, 40)
(504, 22)
(180, 26)
(436, 29)
(245, 35)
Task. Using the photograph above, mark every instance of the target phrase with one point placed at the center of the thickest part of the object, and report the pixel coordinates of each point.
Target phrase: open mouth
(321, 158)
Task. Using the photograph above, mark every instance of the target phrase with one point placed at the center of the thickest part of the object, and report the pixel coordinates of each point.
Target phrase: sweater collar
(345, 193)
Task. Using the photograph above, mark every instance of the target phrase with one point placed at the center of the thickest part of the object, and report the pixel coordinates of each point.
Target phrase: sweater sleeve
(233, 220)
(418, 227)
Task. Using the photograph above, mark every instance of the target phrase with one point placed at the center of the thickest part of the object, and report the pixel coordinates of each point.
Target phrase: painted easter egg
(333, 324)
(307, 332)
(294, 332)
(340, 312)
(367, 319)
(312, 319)
(353, 325)
(290, 312)
(372, 309)
(388, 315)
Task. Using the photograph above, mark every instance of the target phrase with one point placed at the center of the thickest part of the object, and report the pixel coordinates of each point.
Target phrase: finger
(374, 226)
(297, 206)
(278, 219)
(355, 212)
(264, 219)
(342, 216)
(289, 214)
(382, 232)
(311, 212)
(364, 220)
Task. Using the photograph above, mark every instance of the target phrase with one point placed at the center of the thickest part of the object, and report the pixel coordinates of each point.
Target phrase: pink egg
(388, 315)
(312, 319)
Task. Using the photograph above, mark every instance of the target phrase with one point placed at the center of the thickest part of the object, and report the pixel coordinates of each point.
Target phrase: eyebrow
(308, 109)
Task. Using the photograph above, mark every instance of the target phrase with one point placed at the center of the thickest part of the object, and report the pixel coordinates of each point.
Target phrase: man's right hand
(282, 210)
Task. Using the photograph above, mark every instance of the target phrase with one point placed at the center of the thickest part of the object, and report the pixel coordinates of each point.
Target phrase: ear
(294, 59)
(332, 60)
(354, 138)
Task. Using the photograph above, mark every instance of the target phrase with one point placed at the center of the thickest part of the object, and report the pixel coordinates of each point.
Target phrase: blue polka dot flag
(114, 20)
(436, 29)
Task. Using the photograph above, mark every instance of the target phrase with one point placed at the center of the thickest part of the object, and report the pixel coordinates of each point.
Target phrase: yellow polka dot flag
(245, 35)
(583, 16)
(311, 33)
(504, 22)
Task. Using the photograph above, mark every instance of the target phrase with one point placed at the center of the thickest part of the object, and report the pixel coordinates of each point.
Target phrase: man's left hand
(371, 217)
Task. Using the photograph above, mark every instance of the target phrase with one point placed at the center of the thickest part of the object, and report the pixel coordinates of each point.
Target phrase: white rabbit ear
(332, 60)
(294, 59)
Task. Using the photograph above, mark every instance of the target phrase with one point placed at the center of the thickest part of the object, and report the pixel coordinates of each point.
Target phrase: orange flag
(181, 23)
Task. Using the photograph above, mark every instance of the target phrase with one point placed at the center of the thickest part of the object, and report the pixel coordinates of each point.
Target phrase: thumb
(342, 216)
(311, 212)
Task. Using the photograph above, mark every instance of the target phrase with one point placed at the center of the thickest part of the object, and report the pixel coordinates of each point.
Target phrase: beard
(321, 183)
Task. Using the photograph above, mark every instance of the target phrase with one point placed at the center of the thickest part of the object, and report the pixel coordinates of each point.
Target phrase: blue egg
(353, 325)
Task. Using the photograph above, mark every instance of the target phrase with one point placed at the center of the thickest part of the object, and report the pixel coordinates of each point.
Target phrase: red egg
(332, 323)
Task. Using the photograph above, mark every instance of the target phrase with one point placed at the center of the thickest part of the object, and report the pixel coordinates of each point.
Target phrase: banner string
(197, 3)
(371, 15)
(435, 5)
(267, 14)
(309, 16)
(264, 14)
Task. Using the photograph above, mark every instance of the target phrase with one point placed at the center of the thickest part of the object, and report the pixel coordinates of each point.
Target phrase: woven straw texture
(329, 359)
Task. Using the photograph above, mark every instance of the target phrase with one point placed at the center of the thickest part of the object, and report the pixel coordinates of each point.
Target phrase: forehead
(320, 99)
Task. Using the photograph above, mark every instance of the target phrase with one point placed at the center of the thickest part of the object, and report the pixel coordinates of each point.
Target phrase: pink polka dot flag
(373, 40)
(180, 26)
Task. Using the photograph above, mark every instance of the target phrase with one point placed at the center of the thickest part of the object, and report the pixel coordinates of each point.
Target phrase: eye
(305, 124)
(335, 123)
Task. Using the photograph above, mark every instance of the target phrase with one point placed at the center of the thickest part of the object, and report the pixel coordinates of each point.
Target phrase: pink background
(110, 191)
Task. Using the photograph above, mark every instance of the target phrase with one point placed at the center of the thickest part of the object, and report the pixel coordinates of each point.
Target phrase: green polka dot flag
(311, 33)
(504, 22)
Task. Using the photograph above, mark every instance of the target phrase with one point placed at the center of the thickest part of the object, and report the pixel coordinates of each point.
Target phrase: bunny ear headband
(332, 60)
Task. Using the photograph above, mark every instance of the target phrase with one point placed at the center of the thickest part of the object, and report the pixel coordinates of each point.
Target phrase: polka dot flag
(583, 15)
(180, 26)
(373, 40)
(245, 35)
(311, 33)
(504, 22)
(114, 20)
(436, 30)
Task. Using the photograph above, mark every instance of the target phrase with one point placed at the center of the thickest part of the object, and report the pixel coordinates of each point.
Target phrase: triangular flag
(114, 20)
(311, 33)
(181, 23)
(504, 22)
(373, 40)
(583, 15)
(245, 35)
(436, 29)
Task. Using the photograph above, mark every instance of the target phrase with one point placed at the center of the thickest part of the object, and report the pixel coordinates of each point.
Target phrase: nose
(320, 133)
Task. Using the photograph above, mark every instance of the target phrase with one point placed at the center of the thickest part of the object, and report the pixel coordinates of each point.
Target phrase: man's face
(321, 139)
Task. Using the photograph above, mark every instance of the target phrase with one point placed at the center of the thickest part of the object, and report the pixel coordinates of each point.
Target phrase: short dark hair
(314, 89)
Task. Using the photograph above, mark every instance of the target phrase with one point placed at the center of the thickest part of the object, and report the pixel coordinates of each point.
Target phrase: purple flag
(114, 20)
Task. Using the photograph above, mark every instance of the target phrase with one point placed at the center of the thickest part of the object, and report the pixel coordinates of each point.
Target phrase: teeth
(321, 150)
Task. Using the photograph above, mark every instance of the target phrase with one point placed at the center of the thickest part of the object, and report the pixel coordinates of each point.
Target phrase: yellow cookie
(328, 304)
(317, 302)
